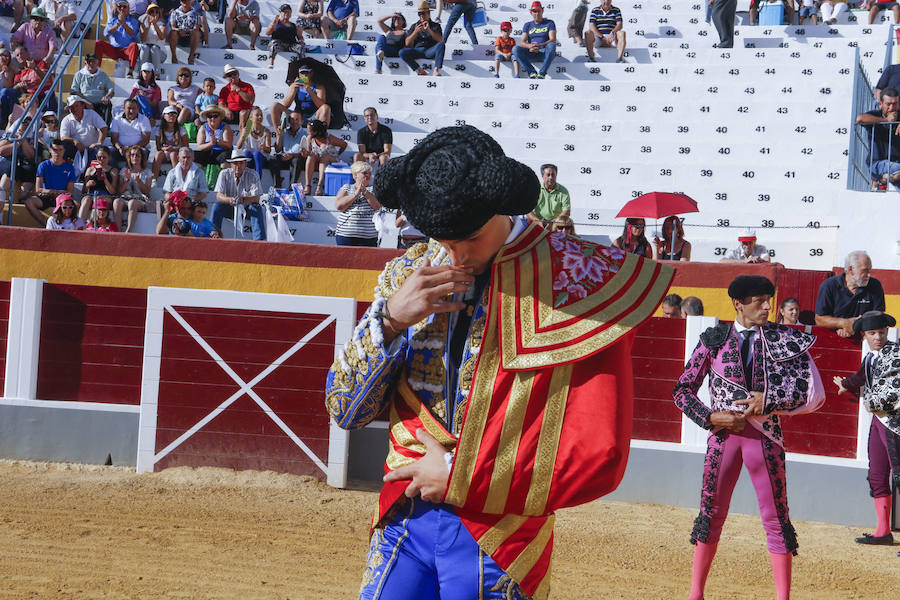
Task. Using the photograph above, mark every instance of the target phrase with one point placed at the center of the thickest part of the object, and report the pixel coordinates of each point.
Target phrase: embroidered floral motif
(509, 589)
(580, 267)
(711, 470)
(775, 465)
(374, 560)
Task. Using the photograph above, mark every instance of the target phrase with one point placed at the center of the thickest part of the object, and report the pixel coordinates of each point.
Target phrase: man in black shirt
(843, 298)
(374, 141)
(424, 40)
(884, 152)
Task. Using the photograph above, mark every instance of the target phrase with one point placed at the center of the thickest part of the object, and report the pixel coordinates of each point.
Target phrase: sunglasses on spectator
(214, 117)
(68, 206)
(232, 74)
(184, 75)
(51, 121)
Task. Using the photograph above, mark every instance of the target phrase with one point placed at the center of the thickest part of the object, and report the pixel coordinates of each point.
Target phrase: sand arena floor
(73, 531)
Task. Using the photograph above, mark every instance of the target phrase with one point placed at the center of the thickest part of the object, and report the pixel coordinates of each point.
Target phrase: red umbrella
(657, 205)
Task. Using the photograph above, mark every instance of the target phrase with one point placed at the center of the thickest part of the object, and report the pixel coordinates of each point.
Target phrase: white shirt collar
(739, 328)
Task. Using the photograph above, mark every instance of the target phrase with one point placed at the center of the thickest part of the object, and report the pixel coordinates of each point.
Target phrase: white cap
(169, 109)
(747, 235)
(228, 69)
(73, 98)
(147, 66)
(236, 155)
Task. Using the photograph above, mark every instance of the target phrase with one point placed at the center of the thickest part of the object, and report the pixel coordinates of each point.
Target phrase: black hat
(873, 319)
(455, 180)
(744, 286)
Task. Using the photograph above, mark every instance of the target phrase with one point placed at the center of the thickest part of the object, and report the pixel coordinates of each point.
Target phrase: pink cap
(61, 199)
(102, 202)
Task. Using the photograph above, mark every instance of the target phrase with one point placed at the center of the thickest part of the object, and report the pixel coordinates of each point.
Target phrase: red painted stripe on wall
(4, 329)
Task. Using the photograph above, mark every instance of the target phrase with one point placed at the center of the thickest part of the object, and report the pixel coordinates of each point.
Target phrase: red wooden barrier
(92, 341)
(658, 360)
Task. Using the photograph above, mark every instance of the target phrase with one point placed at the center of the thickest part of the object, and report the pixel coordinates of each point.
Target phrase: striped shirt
(357, 221)
(604, 21)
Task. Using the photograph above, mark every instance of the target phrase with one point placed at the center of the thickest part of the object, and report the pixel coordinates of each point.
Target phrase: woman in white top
(153, 37)
(256, 140)
(183, 94)
(134, 188)
(171, 138)
(358, 206)
(320, 149)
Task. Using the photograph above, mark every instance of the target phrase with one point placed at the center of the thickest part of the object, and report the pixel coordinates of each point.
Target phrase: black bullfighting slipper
(876, 540)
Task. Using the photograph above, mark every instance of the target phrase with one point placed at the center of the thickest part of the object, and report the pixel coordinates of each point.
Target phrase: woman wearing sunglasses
(633, 239)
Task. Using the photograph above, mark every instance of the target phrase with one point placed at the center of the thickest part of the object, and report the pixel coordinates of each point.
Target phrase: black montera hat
(453, 181)
(750, 285)
(873, 319)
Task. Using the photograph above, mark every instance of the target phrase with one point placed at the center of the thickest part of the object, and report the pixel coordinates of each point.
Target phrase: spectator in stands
(100, 221)
(504, 46)
(358, 206)
(185, 29)
(64, 216)
(843, 298)
(307, 96)
(807, 9)
(692, 306)
(563, 223)
(831, 9)
(60, 15)
(147, 93)
(37, 37)
(124, 33)
(876, 6)
(554, 200)
(239, 185)
(320, 149)
(82, 129)
(49, 131)
(408, 236)
(129, 129)
(153, 37)
(215, 139)
(309, 17)
(671, 306)
(788, 11)
(171, 138)
(884, 151)
(178, 209)
(12, 8)
(99, 179)
(576, 21)
(788, 312)
(748, 251)
(723, 18)
(340, 16)
(256, 140)
(462, 8)
(538, 42)
(672, 246)
(287, 148)
(54, 177)
(95, 86)
(201, 226)
(8, 68)
(206, 98)
(286, 36)
(134, 189)
(18, 111)
(424, 40)
(25, 165)
(374, 141)
(605, 30)
(393, 41)
(890, 78)
(236, 98)
(183, 95)
(26, 80)
(186, 177)
(243, 18)
(632, 239)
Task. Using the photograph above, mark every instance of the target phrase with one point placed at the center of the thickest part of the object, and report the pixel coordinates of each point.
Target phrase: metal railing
(90, 14)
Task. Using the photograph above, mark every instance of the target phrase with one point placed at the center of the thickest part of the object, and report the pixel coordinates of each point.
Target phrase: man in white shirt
(186, 177)
(129, 129)
(82, 128)
(748, 251)
(239, 186)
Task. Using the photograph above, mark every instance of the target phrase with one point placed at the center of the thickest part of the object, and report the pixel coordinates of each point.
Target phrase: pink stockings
(883, 514)
(703, 557)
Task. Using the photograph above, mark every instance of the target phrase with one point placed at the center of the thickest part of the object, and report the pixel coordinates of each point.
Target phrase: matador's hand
(729, 420)
(755, 404)
(427, 291)
(429, 474)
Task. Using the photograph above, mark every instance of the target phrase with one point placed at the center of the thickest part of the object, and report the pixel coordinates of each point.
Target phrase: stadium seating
(757, 134)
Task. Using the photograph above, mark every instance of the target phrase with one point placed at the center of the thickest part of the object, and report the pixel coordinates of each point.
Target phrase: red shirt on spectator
(31, 78)
(505, 46)
(233, 100)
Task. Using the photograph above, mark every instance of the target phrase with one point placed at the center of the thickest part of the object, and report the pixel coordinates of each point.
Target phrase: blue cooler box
(336, 175)
(771, 13)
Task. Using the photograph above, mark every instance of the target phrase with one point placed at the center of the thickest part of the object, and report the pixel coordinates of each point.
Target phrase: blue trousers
(884, 167)
(426, 553)
(463, 8)
(391, 51)
(220, 210)
(525, 58)
(436, 52)
(258, 158)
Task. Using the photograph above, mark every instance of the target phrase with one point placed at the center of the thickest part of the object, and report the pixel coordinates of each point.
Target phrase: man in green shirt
(554, 199)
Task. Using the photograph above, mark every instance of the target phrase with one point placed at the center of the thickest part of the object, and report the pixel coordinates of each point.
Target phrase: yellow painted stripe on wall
(140, 273)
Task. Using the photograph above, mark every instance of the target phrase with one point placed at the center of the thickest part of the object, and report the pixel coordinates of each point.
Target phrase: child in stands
(808, 8)
(64, 216)
(208, 97)
(200, 225)
(504, 45)
(100, 220)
